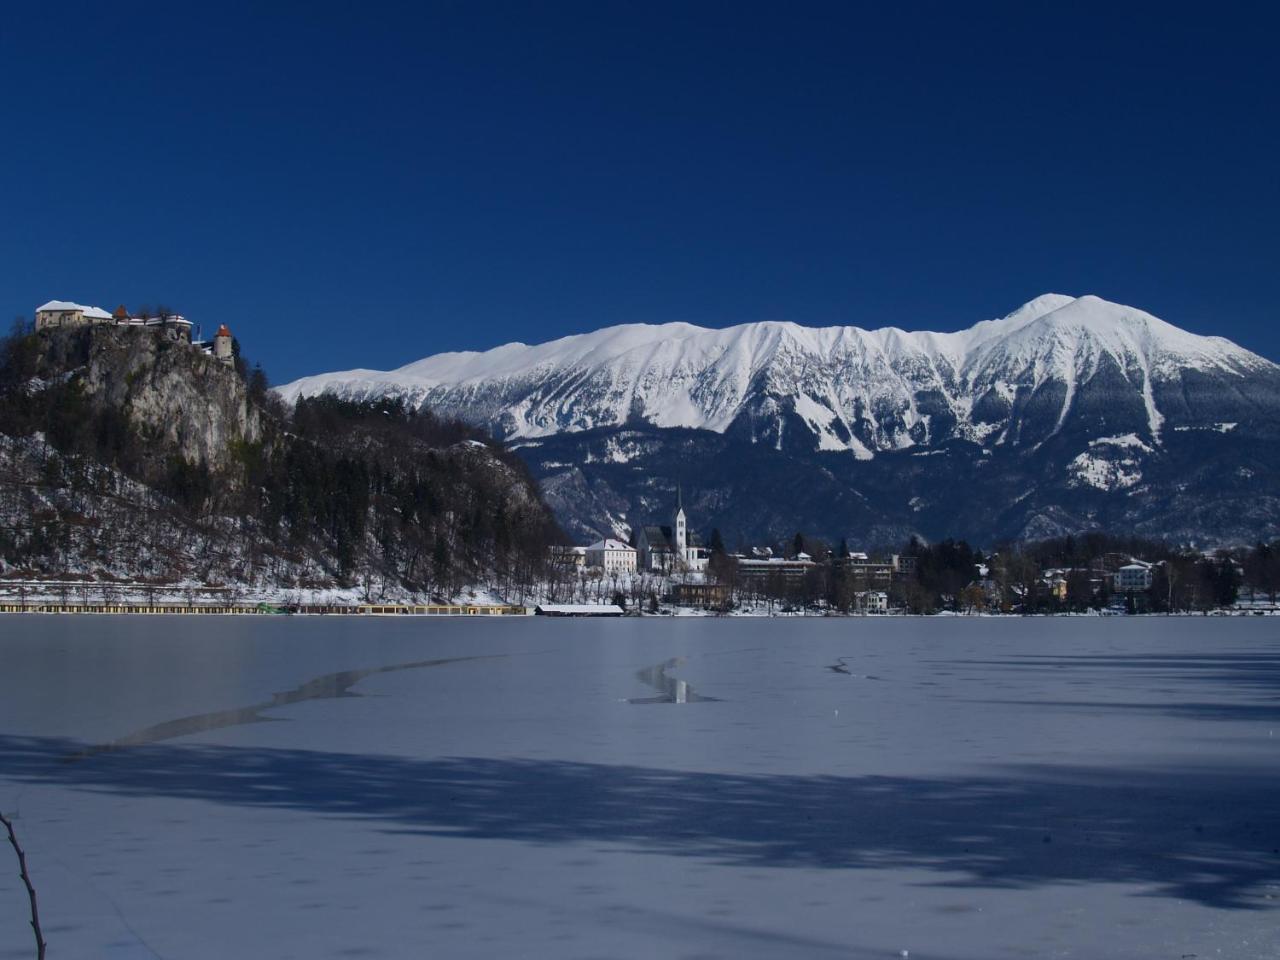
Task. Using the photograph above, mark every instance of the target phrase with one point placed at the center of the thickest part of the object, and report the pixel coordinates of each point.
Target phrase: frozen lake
(688, 788)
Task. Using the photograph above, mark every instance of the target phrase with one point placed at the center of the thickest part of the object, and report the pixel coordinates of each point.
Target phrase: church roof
(659, 537)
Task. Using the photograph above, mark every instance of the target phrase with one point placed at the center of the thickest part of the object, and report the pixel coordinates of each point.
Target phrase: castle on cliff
(57, 314)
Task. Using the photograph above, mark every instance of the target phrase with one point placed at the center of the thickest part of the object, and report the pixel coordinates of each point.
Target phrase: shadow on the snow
(1208, 834)
(1244, 686)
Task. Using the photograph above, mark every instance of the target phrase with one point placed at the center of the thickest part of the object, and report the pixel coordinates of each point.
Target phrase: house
(611, 556)
(708, 596)
(872, 601)
(664, 549)
(1133, 577)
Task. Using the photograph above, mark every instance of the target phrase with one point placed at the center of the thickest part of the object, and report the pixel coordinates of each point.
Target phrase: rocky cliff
(181, 402)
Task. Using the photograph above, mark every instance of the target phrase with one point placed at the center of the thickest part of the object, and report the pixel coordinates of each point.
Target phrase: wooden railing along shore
(366, 609)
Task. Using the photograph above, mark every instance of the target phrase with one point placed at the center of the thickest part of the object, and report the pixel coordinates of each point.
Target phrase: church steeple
(682, 539)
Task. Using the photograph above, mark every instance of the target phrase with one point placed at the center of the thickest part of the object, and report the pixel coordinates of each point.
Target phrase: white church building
(667, 549)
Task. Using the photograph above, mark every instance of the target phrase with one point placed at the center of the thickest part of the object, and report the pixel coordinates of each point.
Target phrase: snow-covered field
(967, 788)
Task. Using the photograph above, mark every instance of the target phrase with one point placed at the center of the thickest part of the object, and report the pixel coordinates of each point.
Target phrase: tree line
(1060, 575)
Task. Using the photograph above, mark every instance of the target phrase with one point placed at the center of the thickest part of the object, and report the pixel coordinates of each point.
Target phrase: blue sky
(365, 184)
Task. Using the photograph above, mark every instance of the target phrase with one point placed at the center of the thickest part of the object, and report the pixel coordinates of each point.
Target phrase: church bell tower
(682, 540)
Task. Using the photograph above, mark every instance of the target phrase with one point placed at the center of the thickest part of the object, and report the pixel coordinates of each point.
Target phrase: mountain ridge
(683, 375)
(1067, 414)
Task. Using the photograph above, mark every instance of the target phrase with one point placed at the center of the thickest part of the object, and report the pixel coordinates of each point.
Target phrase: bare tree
(26, 882)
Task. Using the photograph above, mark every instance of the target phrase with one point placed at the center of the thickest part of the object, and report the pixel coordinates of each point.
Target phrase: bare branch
(31, 891)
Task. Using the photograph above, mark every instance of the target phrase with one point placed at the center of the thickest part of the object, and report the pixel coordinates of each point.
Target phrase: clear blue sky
(363, 184)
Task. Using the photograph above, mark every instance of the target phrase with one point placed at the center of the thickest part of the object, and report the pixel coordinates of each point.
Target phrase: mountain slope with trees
(126, 456)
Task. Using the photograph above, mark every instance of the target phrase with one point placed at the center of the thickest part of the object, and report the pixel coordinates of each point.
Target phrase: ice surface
(963, 788)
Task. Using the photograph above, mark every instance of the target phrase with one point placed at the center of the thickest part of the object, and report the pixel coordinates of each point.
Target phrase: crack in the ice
(325, 687)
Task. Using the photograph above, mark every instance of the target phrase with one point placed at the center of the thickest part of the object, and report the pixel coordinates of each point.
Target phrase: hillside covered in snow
(1087, 401)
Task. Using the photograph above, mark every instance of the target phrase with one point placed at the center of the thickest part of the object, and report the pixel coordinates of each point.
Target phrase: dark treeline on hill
(125, 455)
(1060, 575)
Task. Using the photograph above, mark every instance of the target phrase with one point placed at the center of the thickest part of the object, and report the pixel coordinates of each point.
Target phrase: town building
(868, 573)
(773, 570)
(708, 596)
(1133, 577)
(611, 556)
(872, 601)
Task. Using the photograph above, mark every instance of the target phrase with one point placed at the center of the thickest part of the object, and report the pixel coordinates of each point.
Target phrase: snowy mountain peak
(847, 388)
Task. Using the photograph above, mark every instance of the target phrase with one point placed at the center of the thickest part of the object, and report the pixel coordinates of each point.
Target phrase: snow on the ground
(959, 788)
(1104, 473)
(1123, 440)
(1217, 427)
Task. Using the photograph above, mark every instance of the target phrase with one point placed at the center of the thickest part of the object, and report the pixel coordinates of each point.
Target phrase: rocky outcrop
(182, 402)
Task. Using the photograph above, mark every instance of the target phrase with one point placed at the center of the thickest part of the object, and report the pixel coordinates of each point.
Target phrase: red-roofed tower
(222, 346)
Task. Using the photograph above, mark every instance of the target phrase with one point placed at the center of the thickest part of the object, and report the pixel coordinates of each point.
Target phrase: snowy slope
(850, 389)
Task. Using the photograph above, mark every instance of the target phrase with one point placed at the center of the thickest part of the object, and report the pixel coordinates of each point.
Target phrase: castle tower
(682, 539)
(222, 346)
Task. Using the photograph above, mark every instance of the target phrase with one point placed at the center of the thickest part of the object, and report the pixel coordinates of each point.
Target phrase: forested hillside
(126, 456)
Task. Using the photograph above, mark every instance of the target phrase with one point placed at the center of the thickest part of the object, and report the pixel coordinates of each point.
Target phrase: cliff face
(182, 402)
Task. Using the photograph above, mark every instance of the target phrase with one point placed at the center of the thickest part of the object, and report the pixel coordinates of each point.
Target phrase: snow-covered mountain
(857, 390)
(1103, 388)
